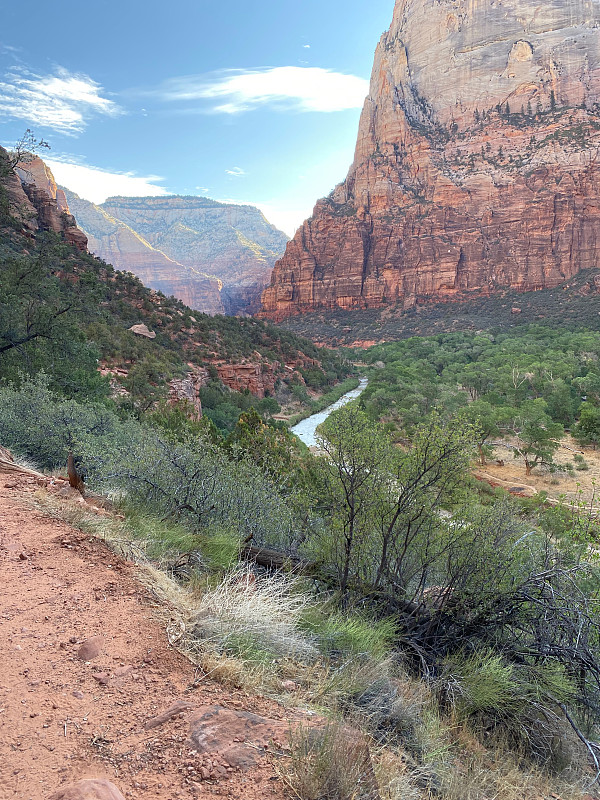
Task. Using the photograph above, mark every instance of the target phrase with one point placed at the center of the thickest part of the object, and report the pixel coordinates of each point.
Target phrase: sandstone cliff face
(40, 204)
(475, 164)
(233, 244)
(124, 248)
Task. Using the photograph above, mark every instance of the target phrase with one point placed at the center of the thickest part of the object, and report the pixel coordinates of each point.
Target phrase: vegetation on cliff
(63, 311)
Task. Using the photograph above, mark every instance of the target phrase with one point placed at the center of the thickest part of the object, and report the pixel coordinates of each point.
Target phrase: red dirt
(59, 723)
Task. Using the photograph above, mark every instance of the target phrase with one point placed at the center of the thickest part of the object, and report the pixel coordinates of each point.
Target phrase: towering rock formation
(39, 203)
(233, 246)
(121, 246)
(476, 165)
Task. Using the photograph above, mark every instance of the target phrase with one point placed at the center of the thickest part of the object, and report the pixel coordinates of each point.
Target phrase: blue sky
(248, 102)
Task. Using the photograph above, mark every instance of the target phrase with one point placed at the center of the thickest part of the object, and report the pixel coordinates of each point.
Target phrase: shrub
(43, 427)
(351, 635)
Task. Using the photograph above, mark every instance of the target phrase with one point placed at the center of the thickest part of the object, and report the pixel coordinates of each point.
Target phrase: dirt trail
(59, 723)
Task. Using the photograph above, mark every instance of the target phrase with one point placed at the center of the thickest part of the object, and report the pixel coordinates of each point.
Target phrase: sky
(249, 102)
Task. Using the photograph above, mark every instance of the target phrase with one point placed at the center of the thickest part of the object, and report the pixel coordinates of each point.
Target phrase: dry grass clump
(330, 763)
(254, 617)
(498, 774)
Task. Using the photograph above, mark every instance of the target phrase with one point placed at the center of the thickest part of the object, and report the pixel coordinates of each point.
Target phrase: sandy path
(57, 722)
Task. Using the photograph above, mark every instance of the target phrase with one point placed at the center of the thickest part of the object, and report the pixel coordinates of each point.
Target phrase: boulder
(143, 330)
(88, 789)
(236, 737)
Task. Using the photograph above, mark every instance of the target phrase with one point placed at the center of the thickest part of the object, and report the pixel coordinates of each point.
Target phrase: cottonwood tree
(587, 430)
(537, 436)
(491, 421)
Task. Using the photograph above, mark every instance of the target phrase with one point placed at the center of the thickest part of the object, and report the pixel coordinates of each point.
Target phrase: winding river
(306, 429)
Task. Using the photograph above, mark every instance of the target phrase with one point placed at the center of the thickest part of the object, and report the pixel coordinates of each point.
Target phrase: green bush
(43, 427)
(345, 635)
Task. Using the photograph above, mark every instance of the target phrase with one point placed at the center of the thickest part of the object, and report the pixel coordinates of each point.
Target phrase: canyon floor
(63, 718)
(568, 486)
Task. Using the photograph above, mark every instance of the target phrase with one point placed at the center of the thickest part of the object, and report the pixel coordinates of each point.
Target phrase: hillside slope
(62, 310)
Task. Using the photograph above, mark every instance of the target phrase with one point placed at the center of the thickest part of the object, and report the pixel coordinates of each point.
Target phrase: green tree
(358, 455)
(385, 502)
(490, 421)
(537, 436)
(271, 448)
(587, 429)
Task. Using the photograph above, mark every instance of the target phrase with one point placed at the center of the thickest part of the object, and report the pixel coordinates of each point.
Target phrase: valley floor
(62, 718)
(567, 486)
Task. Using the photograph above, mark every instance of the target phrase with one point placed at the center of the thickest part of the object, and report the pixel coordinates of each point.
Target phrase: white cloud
(63, 101)
(237, 172)
(96, 184)
(306, 46)
(303, 88)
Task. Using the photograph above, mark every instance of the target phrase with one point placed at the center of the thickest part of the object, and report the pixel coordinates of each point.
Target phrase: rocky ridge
(215, 257)
(124, 248)
(37, 202)
(475, 165)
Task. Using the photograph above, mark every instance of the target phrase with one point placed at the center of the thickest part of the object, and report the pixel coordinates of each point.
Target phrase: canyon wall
(233, 244)
(475, 165)
(118, 244)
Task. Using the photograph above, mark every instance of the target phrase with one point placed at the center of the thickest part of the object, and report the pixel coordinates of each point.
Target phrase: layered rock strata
(163, 239)
(118, 244)
(475, 166)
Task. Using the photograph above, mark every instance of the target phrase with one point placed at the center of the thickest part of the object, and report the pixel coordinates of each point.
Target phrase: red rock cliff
(475, 164)
(51, 208)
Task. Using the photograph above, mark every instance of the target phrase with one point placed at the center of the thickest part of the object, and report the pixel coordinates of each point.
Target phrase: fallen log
(10, 466)
(273, 559)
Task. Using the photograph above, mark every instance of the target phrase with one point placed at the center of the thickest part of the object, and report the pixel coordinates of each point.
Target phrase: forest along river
(306, 429)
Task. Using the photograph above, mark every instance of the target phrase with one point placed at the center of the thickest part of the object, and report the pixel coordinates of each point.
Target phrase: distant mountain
(119, 245)
(97, 332)
(234, 246)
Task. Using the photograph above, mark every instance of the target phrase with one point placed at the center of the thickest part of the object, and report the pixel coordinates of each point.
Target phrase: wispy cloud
(237, 172)
(95, 184)
(63, 101)
(301, 88)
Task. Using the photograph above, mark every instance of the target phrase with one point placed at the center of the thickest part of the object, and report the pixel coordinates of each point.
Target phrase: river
(306, 429)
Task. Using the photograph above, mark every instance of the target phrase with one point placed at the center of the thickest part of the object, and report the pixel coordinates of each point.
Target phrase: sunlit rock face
(118, 244)
(475, 165)
(40, 203)
(234, 244)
